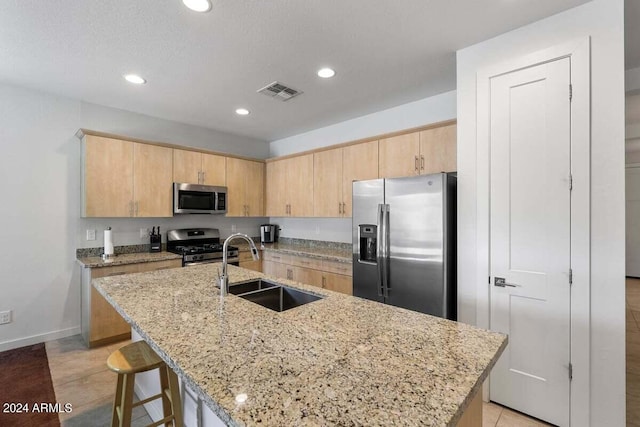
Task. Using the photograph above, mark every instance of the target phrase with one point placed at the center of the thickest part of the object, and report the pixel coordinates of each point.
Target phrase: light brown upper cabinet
(418, 153)
(245, 189)
(359, 163)
(438, 149)
(193, 167)
(290, 187)
(125, 179)
(335, 170)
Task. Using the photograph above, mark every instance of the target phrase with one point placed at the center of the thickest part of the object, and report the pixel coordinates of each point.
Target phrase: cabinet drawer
(277, 257)
(306, 262)
(337, 267)
(159, 265)
(116, 270)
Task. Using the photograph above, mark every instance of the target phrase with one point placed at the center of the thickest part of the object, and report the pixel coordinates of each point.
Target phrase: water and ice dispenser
(368, 243)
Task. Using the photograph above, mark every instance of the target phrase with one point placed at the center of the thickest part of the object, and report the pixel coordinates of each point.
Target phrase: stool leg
(164, 388)
(174, 391)
(115, 420)
(127, 400)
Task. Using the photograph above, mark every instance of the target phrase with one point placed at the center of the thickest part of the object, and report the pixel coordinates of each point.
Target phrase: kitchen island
(340, 360)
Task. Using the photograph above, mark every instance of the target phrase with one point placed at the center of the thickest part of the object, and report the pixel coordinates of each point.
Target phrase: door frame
(578, 51)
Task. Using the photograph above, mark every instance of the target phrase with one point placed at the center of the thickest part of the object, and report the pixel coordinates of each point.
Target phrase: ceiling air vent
(279, 91)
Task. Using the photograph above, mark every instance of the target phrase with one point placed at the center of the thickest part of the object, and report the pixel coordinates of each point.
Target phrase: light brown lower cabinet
(331, 275)
(247, 261)
(101, 324)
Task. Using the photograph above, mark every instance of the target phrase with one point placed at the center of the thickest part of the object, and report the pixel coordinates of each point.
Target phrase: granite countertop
(122, 259)
(340, 360)
(338, 254)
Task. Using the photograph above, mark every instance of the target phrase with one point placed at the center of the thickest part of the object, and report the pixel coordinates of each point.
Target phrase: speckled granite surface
(128, 249)
(341, 360)
(96, 261)
(337, 254)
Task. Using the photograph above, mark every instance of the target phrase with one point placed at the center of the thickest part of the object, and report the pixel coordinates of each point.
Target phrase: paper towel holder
(105, 256)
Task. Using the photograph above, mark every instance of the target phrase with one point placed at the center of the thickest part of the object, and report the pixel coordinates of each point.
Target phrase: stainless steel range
(199, 246)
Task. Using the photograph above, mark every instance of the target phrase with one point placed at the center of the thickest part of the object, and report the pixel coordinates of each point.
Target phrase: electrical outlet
(91, 234)
(5, 317)
(234, 229)
(144, 232)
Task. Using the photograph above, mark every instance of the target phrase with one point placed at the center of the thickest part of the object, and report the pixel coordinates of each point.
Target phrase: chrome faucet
(224, 278)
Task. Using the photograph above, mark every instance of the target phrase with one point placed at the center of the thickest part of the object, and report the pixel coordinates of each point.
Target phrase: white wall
(40, 211)
(419, 113)
(602, 20)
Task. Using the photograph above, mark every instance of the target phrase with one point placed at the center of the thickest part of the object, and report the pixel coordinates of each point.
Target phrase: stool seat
(133, 358)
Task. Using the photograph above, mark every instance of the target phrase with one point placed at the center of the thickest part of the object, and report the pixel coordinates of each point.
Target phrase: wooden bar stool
(127, 362)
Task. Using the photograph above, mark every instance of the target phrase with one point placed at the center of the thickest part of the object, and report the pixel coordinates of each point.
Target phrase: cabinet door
(276, 269)
(399, 156)
(338, 283)
(438, 150)
(254, 188)
(245, 186)
(299, 185)
(187, 166)
(276, 188)
(307, 276)
(359, 163)
(252, 265)
(214, 170)
(152, 179)
(327, 183)
(108, 177)
(236, 187)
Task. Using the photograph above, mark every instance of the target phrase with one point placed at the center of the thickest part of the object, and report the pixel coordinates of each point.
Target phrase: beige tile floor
(633, 352)
(80, 376)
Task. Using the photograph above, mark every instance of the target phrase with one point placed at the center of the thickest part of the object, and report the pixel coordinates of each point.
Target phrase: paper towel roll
(108, 242)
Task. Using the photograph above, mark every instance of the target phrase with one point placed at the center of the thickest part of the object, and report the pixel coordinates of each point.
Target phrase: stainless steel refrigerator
(404, 242)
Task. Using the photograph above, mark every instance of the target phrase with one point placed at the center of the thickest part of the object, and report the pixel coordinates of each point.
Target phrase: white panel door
(530, 238)
(632, 190)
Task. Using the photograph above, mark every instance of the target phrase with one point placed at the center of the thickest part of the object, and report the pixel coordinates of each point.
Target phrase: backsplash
(315, 243)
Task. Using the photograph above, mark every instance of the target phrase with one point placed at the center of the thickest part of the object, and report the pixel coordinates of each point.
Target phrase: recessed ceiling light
(326, 73)
(198, 5)
(242, 111)
(135, 79)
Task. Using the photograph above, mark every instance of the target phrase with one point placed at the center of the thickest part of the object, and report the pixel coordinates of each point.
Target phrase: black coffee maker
(269, 233)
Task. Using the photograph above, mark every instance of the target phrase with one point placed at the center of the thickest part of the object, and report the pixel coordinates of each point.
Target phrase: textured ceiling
(201, 67)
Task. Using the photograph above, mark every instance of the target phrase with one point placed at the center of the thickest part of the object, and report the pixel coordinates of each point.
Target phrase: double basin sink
(272, 295)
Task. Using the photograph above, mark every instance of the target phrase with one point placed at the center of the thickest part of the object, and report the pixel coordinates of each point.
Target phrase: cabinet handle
(416, 164)
(130, 207)
(344, 208)
(305, 262)
(204, 176)
(137, 207)
(421, 162)
(199, 177)
(324, 282)
(339, 208)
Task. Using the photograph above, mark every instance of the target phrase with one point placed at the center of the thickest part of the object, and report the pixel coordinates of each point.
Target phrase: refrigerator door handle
(385, 238)
(380, 251)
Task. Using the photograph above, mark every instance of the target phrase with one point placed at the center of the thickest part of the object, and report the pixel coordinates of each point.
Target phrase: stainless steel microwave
(199, 199)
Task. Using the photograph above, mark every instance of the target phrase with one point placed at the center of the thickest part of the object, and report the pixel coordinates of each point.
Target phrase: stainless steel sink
(279, 298)
(253, 285)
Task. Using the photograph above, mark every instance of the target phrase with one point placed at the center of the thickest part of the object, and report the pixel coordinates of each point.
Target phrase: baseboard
(36, 339)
